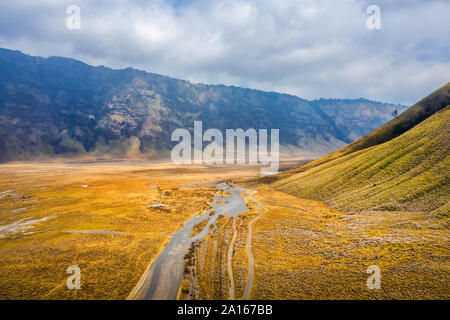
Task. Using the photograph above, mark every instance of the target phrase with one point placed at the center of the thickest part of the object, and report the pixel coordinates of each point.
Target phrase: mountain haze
(62, 107)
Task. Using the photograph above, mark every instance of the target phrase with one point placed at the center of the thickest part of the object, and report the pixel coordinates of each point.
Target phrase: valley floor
(305, 250)
(113, 219)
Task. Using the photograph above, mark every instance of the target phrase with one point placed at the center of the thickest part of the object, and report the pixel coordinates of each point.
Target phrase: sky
(309, 48)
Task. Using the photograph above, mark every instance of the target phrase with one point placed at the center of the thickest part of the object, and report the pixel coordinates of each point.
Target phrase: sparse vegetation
(305, 250)
(33, 263)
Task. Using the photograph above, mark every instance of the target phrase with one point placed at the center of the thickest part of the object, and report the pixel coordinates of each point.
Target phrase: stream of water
(162, 280)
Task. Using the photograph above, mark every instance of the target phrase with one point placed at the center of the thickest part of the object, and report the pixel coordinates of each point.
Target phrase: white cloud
(311, 48)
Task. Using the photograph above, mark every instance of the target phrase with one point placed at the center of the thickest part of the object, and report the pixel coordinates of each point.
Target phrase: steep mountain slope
(63, 107)
(409, 172)
(426, 107)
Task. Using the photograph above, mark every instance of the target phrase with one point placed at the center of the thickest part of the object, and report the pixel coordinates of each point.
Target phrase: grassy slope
(409, 172)
(426, 107)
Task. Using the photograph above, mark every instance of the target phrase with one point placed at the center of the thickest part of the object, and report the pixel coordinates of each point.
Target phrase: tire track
(251, 258)
(230, 259)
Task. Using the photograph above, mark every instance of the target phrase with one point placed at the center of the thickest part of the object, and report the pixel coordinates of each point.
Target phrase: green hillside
(426, 107)
(408, 173)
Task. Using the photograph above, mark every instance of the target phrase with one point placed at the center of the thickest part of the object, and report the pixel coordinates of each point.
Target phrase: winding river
(162, 279)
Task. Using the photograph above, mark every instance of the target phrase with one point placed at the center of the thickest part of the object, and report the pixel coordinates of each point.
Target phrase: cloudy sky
(310, 48)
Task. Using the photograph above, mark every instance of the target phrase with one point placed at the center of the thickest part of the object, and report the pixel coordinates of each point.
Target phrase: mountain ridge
(63, 107)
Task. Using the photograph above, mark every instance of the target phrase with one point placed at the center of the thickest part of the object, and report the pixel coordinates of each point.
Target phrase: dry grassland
(305, 250)
(302, 248)
(109, 203)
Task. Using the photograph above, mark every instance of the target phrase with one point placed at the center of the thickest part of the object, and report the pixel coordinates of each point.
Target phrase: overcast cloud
(310, 48)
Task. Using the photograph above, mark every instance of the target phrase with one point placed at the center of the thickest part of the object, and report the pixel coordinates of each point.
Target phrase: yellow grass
(302, 248)
(33, 262)
(305, 250)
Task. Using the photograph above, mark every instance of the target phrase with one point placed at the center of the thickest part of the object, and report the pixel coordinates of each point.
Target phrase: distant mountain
(63, 107)
(391, 169)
